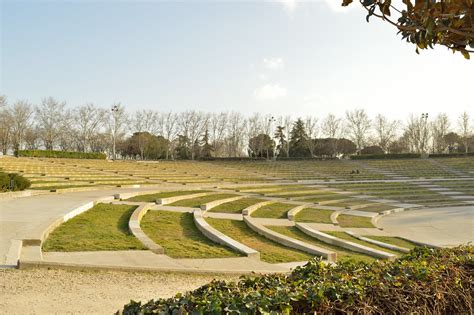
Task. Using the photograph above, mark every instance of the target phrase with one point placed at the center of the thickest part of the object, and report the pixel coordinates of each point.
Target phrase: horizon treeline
(149, 134)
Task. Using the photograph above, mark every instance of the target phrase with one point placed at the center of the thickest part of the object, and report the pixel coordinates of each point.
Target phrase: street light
(114, 111)
(271, 120)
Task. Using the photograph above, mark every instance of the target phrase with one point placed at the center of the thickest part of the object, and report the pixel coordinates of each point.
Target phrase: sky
(274, 57)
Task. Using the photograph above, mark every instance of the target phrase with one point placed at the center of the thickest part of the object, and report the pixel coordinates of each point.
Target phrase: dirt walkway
(87, 292)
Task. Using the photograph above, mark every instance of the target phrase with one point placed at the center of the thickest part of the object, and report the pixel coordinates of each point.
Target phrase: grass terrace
(352, 221)
(393, 241)
(165, 194)
(180, 238)
(236, 206)
(276, 210)
(104, 227)
(342, 254)
(197, 202)
(314, 215)
(347, 237)
(270, 251)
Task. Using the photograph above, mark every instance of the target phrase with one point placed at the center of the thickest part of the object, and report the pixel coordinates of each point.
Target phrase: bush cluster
(20, 183)
(425, 281)
(61, 154)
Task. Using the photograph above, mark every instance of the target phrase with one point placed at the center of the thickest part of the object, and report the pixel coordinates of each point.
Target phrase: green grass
(314, 215)
(180, 238)
(197, 202)
(347, 237)
(342, 254)
(352, 221)
(377, 208)
(392, 240)
(275, 210)
(236, 206)
(323, 198)
(104, 227)
(270, 251)
(165, 194)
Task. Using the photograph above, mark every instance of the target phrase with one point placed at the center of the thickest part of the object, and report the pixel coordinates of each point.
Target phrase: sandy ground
(44, 291)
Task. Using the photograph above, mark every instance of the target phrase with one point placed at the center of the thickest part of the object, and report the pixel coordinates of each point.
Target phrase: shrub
(19, 182)
(61, 154)
(425, 281)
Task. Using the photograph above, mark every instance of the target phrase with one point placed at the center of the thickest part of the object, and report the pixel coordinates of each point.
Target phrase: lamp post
(114, 111)
(424, 119)
(271, 120)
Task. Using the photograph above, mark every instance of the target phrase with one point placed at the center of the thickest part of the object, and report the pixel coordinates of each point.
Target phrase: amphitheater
(230, 217)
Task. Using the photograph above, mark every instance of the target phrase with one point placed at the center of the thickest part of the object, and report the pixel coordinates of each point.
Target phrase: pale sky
(280, 57)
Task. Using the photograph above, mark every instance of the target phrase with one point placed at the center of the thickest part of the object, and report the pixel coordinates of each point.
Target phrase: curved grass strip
(353, 221)
(180, 238)
(276, 210)
(236, 206)
(342, 254)
(165, 194)
(197, 202)
(347, 237)
(392, 240)
(269, 251)
(314, 215)
(103, 227)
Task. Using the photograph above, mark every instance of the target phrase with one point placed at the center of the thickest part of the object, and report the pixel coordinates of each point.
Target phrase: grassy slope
(236, 206)
(196, 202)
(269, 251)
(347, 237)
(166, 194)
(180, 238)
(352, 221)
(104, 227)
(314, 215)
(341, 252)
(392, 240)
(275, 210)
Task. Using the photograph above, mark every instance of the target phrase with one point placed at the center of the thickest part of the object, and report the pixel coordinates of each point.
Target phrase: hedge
(19, 182)
(425, 281)
(61, 154)
(386, 156)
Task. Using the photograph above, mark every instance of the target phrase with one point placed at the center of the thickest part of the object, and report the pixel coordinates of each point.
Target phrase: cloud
(289, 5)
(273, 63)
(269, 92)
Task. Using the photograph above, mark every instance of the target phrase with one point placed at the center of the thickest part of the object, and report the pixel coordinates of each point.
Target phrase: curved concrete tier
(215, 203)
(378, 243)
(253, 208)
(134, 226)
(291, 214)
(343, 243)
(220, 238)
(288, 241)
(164, 201)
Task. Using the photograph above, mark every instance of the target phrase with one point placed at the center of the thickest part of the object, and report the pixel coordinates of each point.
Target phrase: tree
(372, 149)
(50, 117)
(464, 124)
(417, 134)
(439, 128)
(6, 122)
(332, 128)
(298, 139)
(87, 122)
(207, 148)
(261, 146)
(358, 126)
(281, 140)
(428, 23)
(21, 114)
(116, 123)
(385, 131)
(312, 129)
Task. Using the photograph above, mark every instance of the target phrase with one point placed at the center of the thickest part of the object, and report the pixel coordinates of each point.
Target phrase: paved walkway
(448, 226)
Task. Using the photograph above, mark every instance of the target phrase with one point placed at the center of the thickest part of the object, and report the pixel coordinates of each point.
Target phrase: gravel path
(42, 291)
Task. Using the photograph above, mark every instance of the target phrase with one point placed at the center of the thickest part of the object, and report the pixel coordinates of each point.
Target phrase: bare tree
(218, 124)
(235, 139)
(465, 129)
(170, 131)
(145, 121)
(439, 128)
(6, 123)
(417, 133)
(48, 117)
(21, 113)
(116, 125)
(358, 126)
(87, 121)
(333, 128)
(385, 131)
(312, 128)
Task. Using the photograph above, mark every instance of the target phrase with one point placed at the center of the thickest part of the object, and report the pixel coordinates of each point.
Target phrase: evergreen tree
(207, 148)
(281, 140)
(298, 138)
